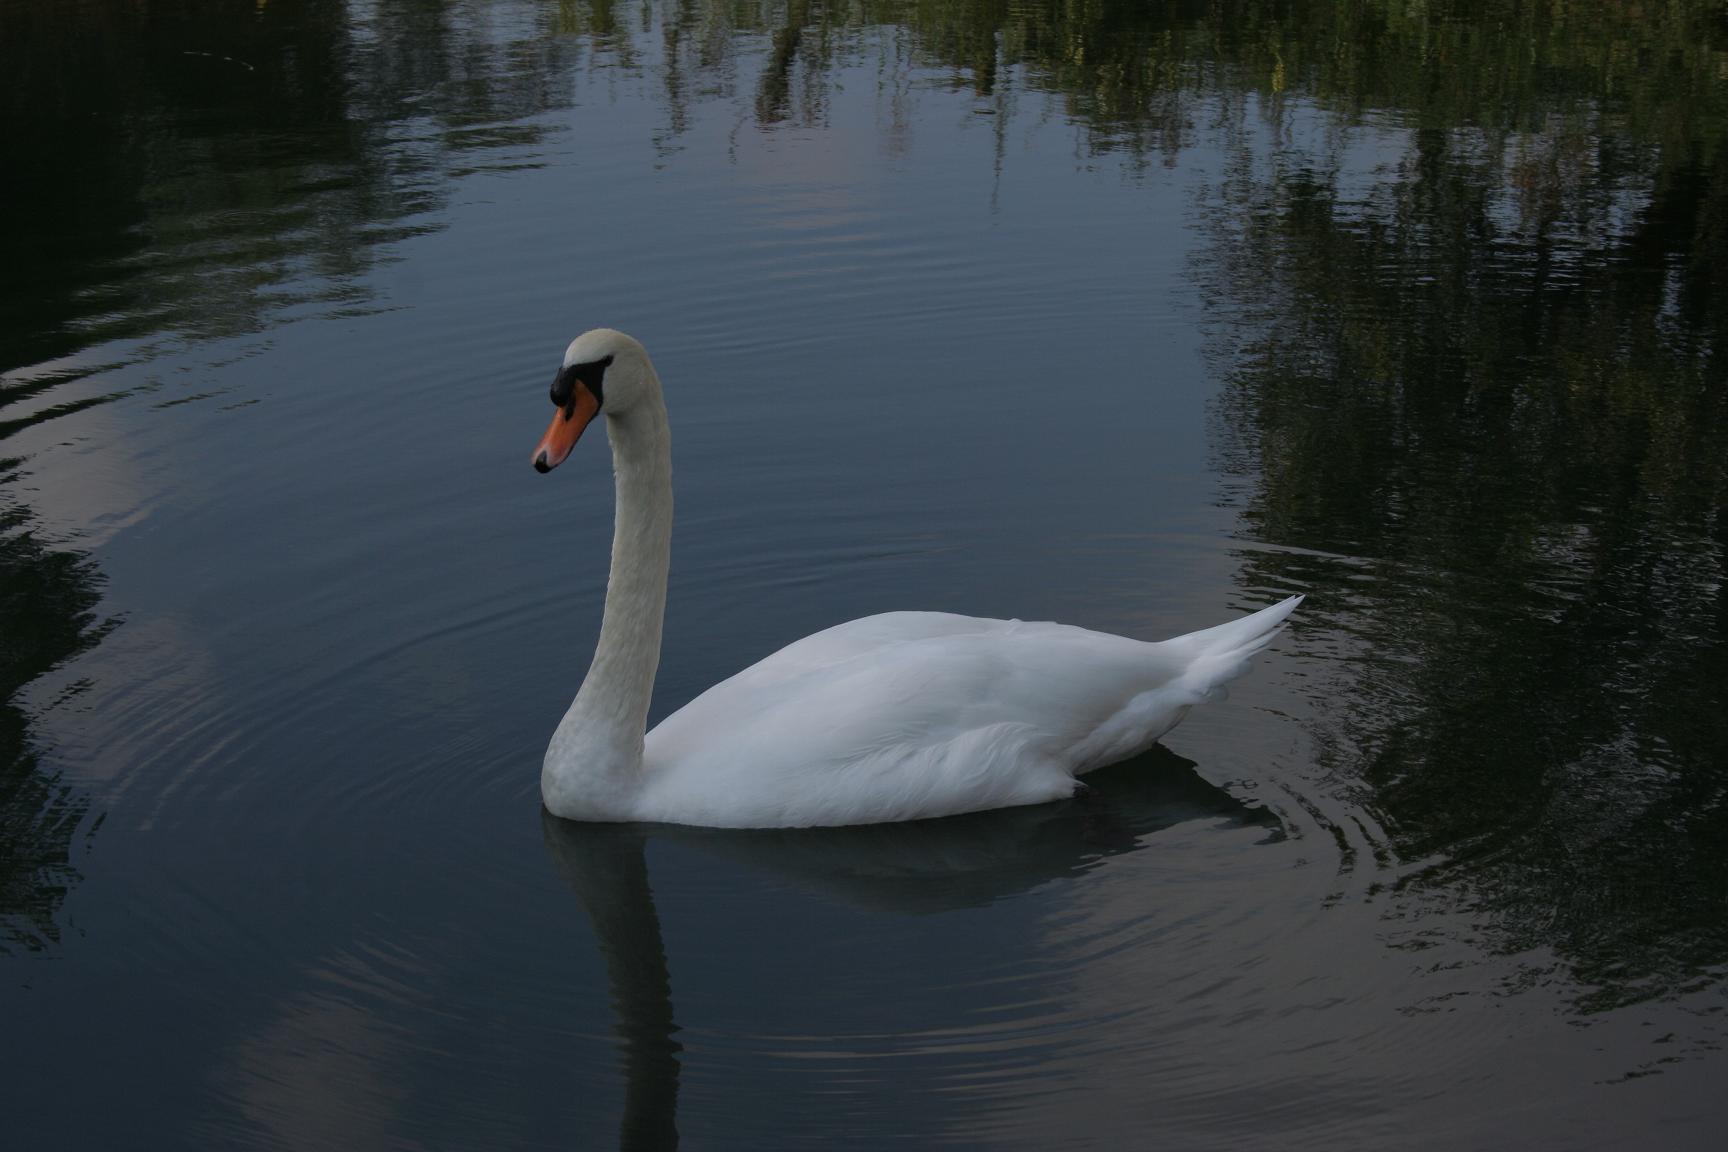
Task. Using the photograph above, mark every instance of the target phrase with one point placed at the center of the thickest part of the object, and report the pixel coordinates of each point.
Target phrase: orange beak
(566, 429)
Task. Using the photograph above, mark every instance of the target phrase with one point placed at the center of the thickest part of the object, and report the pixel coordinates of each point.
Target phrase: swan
(900, 716)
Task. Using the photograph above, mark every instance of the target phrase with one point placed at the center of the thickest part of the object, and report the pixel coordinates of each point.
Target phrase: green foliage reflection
(1487, 370)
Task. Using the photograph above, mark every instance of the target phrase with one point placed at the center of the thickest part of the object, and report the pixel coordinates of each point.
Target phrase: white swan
(892, 717)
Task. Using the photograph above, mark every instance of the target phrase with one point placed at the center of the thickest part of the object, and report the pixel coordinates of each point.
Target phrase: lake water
(1135, 316)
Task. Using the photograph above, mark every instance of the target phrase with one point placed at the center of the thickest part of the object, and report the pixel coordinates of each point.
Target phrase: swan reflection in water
(916, 868)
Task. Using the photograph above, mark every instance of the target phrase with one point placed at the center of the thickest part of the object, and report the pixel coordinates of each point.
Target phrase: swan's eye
(591, 376)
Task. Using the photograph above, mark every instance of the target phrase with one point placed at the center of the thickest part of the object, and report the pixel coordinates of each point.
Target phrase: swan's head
(603, 371)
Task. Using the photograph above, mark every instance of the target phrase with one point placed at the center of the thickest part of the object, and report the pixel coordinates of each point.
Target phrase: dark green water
(1129, 315)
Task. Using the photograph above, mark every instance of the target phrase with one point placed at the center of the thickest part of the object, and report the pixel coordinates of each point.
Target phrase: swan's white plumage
(893, 717)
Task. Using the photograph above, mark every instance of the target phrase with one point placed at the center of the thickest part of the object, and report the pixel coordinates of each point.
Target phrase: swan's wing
(858, 669)
(854, 639)
(892, 718)
(880, 670)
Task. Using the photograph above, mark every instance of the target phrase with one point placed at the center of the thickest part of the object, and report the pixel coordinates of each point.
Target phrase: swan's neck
(593, 766)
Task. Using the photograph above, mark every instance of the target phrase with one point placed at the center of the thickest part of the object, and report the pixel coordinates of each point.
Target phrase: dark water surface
(1129, 315)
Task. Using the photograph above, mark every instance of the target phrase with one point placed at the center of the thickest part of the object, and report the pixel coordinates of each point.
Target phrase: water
(1118, 314)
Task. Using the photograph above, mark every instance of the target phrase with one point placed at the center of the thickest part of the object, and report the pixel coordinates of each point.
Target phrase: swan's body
(893, 717)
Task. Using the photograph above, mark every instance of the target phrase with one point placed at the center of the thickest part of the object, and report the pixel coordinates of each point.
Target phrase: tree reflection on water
(1485, 369)
(1521, 433)
(47, 597)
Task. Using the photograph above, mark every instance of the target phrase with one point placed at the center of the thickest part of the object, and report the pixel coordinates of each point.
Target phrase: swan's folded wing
(981, 715)
(854, 639)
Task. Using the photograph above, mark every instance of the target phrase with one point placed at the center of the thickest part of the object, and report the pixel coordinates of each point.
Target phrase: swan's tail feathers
(1218, 655)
